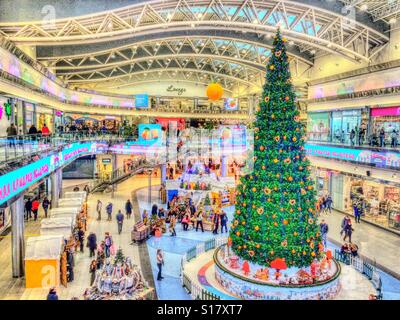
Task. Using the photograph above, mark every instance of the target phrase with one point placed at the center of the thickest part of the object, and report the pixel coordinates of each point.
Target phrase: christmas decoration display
(275, 214)
(119, 279)
(214, 91)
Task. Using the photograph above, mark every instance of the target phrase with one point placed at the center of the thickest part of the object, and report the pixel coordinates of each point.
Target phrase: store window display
(318, 126)
(378, 202)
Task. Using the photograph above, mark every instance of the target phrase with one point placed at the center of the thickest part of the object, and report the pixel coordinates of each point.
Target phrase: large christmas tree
(275, 213)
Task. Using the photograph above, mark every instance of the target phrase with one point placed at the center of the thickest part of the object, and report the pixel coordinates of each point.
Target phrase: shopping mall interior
(200, 150)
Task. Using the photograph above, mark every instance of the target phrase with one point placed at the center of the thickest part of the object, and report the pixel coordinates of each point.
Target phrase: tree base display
(252, 282)
(119, 279)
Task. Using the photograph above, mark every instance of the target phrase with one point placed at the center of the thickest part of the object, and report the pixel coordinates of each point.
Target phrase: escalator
(119, 175)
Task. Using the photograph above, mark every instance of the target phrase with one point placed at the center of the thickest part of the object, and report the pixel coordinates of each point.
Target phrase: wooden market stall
(42, 261)
(56, 226)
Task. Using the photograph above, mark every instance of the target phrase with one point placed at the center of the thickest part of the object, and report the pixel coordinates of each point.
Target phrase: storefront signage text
(179, 91)
(375, 158)
(18, 180)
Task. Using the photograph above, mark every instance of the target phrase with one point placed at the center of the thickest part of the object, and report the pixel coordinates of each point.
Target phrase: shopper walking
(92, 270)
(224, 222)
(81, 239)
(35, 208)
(92, 244)
(120, 221)
(28, 209)
(348, 231)
(352, 136)
(45, 205)
(108, 242)
(98, 209)
(357, 206)
(382, 138)
(216, 222)
(160, 263)
(328, 204)
(323, 227)
(128, 209)
(11, 135)
(199, 221)
(393, 136)
(343, 225)
(172, 224)
(109, 209)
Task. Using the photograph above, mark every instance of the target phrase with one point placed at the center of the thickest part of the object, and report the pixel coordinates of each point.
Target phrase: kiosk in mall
(42, 261)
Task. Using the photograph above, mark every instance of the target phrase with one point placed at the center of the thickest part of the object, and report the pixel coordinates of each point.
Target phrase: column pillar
(54, 189)
(24, 127)
(17, 237)
(34, 117)
(163, 173)
(150, 173)
(60, 180)
(224, 166)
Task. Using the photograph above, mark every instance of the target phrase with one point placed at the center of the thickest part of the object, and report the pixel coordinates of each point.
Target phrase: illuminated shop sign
(150, 134)
(16, 181)
(384, 112)
(142, 101)
(369, 157)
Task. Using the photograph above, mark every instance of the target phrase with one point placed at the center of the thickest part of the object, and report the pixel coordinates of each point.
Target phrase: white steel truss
(379, 9)
(311, 27)
(222, 56)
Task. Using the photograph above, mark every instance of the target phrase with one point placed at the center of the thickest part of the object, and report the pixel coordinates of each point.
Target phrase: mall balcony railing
(344, 141)
(13, 148)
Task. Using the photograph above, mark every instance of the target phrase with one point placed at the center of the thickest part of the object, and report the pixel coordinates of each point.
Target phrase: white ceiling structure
(159, 39)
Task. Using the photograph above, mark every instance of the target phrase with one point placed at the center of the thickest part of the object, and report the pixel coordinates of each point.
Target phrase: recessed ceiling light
(255, 21)
(392, 20)
(364, 7)
(312, 51)
(291, 42)
(199, 15)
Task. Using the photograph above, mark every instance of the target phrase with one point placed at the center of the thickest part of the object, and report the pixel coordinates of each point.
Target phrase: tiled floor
(374, 243)
(15, 288)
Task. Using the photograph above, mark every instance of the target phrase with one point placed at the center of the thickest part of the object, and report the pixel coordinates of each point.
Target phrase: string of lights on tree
(275, 214)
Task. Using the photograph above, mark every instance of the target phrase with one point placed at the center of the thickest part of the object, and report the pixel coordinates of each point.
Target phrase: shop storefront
(44, 116)
(318, 126)
(342, 124)
(335, 126)
(387, 118)
(380, 200)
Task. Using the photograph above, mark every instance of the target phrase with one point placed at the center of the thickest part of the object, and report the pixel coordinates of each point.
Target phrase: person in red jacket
(45, 130)
(35, 208)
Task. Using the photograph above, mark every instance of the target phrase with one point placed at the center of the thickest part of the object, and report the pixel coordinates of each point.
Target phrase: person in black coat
(154, 210)
(81, 237)
(92, 244)
(28, 209)
(128, 209)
